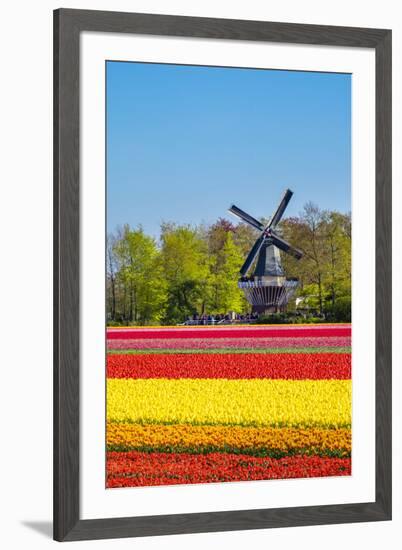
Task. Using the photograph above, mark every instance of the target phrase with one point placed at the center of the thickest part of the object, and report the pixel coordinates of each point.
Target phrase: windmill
(267, 289)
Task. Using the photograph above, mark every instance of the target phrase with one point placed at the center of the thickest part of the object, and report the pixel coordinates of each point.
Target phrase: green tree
(337, 273)
(186, 271)
(325, 268)
(225, 263)
(244, 237)
(140, 274)
(111, 274)
(307, 233)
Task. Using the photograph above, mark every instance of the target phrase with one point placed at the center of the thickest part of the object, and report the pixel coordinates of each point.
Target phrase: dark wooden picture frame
(68, 24)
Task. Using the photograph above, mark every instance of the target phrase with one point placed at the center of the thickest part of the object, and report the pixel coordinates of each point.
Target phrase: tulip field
(213, 404)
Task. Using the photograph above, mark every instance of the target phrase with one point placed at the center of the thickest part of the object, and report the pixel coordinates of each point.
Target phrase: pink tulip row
(219, 343)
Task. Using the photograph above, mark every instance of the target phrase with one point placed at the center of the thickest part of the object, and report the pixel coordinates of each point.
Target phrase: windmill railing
(262, 293)
(258, 283)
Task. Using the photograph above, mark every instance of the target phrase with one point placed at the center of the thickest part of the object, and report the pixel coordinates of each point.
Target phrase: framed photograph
(222, 275)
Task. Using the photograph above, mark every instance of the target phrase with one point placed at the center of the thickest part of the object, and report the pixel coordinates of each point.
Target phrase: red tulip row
(291, 366)
(133, 468)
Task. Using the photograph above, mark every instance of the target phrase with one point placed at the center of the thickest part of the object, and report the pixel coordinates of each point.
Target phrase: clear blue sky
(183, 143)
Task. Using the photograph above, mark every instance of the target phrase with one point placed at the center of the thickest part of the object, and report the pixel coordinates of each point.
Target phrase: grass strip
(250, 451)
(245, 424)
(343, 349)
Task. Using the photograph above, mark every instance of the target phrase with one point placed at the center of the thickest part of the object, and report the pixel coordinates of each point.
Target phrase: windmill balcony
(268, 294)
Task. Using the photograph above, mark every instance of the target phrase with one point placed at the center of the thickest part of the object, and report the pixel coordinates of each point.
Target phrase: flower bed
(307, 331)
(264, 343)
(138, 469)
(202, 405)
(287, 366)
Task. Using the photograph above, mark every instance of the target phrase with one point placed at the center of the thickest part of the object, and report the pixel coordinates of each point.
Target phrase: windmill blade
(246, 217)
(285, 246)
(252, 255)
(276, 218)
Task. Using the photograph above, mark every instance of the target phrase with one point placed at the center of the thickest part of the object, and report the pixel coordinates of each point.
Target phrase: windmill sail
(246, 217)
(276, 218)
(252, 255)
(285, 246)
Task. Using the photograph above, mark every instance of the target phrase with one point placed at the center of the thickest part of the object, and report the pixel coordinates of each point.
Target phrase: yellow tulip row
(256, 402)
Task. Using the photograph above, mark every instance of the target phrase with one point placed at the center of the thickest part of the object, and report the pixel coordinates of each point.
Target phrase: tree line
(194, 269)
